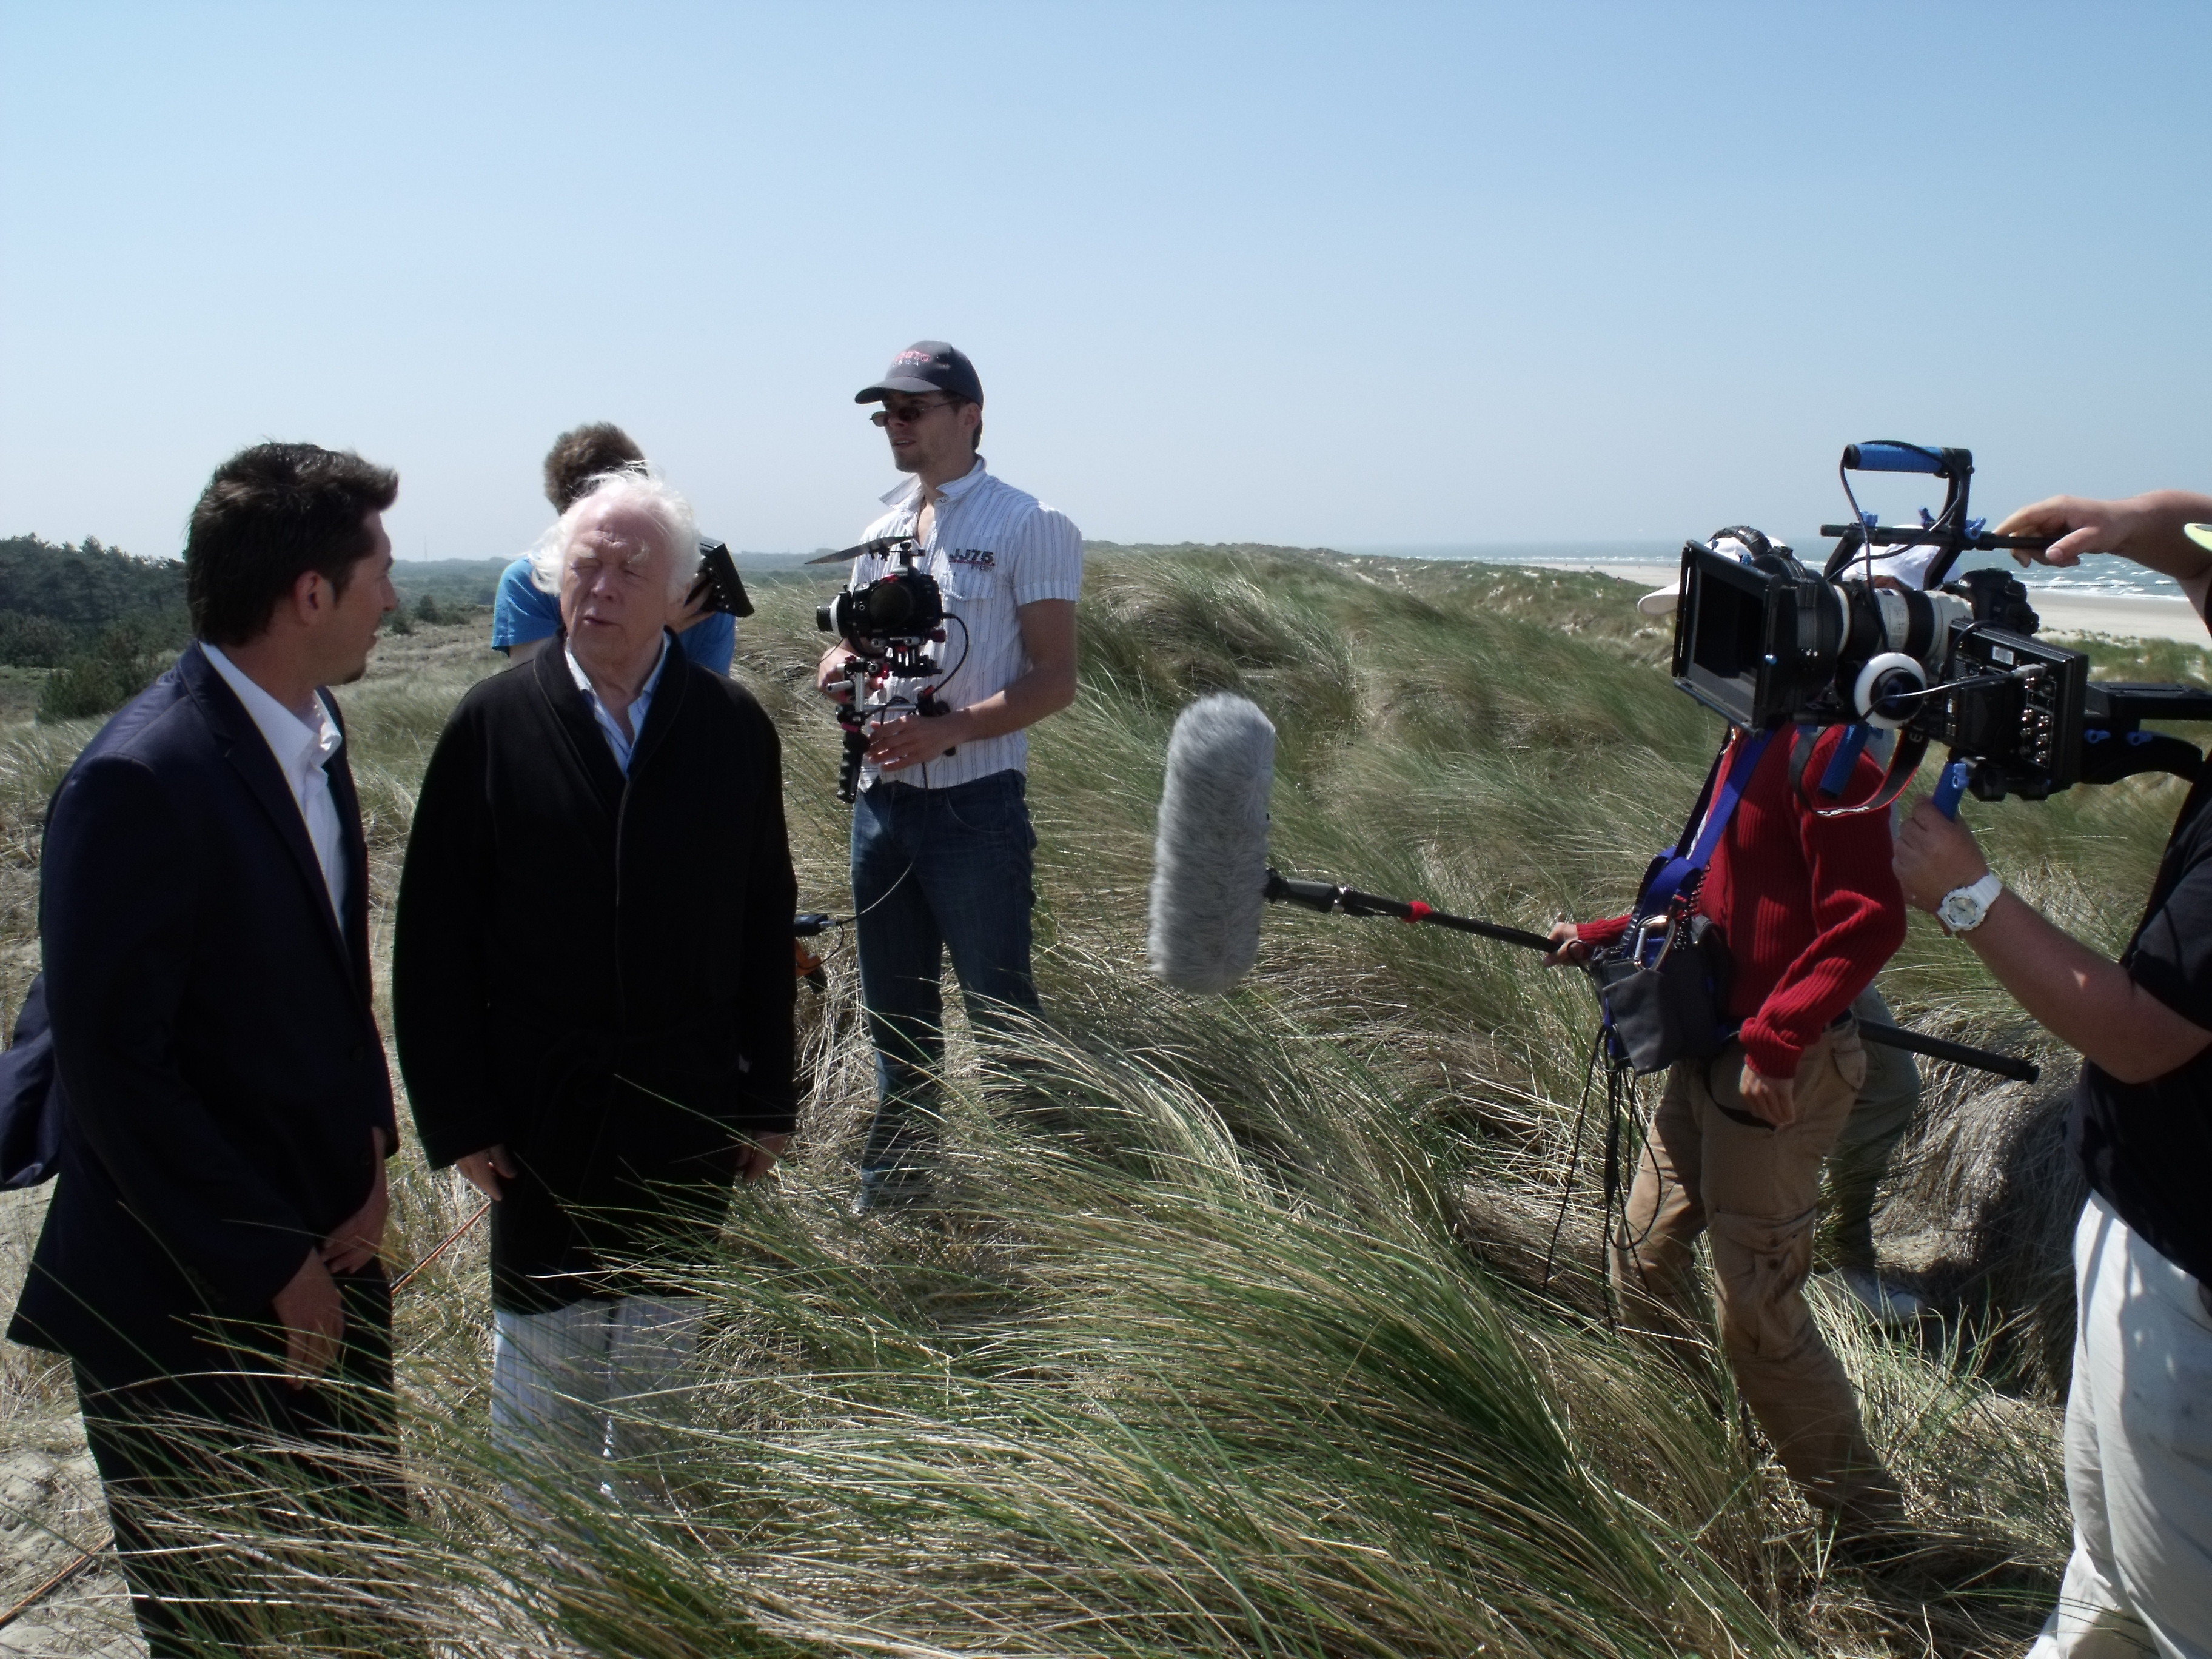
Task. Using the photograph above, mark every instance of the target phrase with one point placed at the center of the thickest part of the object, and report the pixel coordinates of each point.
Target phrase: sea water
(2100, 574)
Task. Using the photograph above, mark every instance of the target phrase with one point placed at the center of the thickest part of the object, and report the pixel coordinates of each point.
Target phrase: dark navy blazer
(213, 1029)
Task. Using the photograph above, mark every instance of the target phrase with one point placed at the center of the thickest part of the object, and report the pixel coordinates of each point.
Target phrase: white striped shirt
(992, 548)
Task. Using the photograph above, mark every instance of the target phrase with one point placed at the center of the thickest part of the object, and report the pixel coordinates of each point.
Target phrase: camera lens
(825, 617)
(889, 604)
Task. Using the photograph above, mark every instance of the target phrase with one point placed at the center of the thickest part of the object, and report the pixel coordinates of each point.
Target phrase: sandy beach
(2118, 615)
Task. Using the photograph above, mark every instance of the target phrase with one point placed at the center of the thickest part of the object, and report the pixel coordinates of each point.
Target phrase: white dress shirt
(993, 549)
(303, 750)
(617, 740)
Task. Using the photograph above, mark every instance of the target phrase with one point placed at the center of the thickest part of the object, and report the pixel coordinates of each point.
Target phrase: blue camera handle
(1888, 455)
(1949, 787)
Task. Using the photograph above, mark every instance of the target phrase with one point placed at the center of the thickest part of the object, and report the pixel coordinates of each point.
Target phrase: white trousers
(586, 1385)
(2138, 1455)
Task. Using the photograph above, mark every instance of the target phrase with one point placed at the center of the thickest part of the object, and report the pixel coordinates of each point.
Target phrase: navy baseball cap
(924, 366)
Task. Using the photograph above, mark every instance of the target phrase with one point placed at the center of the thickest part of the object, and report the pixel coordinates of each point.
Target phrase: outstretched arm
(2085, 999)
(2144, 528)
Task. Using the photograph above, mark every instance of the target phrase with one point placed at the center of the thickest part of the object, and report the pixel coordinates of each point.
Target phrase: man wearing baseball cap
(941, 836)
(2138, 1435)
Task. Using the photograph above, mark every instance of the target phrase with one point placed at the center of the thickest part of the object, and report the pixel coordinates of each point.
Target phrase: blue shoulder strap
(1841, 763)
(1845, 761)
(1660, 893)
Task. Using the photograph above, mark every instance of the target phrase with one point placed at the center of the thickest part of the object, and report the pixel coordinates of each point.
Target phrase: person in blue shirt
(524, 616)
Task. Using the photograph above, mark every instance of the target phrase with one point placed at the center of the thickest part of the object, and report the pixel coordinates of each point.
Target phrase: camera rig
(893, 625)
(1878, 640)
(718, 582)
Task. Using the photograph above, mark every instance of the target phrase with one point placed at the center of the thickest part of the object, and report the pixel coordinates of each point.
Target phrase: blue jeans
(936, 870)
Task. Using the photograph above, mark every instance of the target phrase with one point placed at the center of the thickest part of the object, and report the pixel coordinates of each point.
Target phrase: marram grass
(1232, 1333)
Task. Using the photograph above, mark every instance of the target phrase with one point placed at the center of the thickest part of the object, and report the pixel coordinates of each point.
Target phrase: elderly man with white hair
(591, 981)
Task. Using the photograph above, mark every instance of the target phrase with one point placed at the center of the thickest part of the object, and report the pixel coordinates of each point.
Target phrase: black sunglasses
(907, 414)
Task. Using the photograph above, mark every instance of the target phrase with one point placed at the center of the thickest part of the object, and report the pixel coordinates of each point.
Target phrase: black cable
(1574, 1157)
(1621, 1115)
(880, 897)
(1607, 1230)
(1859, 519)
(1627, 1082)
(967, 645)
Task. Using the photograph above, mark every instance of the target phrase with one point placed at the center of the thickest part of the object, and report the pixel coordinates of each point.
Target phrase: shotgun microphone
(1212, 882)
(1211, 879)
(1209, 860)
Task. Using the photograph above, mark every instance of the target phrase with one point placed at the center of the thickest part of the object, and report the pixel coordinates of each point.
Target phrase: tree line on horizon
(101, 623)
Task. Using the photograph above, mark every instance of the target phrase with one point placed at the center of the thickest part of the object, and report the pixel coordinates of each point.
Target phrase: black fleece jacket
(595, 970)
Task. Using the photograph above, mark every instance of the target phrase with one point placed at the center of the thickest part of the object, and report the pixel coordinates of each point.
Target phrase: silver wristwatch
(1963, 908)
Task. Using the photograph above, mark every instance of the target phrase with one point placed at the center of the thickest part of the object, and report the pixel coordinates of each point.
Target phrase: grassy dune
(1234, 1335)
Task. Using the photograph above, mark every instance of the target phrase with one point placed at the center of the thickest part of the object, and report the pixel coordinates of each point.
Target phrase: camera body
(902, 607)
(1765, 640)
(890, 622)
(1772, 640)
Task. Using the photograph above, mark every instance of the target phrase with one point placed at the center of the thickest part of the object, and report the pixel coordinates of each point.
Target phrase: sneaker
(1889, 1305)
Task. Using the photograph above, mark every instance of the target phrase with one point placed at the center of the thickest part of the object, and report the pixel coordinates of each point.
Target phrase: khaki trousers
(1709, 1166)
(1888, 1101)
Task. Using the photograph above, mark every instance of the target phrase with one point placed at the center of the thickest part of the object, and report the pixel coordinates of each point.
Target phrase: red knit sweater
(1808, 906)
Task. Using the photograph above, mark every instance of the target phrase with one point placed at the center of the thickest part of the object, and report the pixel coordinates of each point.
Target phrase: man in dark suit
(592, 987)
(209, 1262)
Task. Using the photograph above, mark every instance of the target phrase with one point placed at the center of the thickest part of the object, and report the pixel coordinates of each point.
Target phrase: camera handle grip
(1949, 787)
(1888, 455)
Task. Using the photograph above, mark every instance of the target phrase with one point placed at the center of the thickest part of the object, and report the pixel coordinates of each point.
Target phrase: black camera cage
(884, 653)
(1760, 643)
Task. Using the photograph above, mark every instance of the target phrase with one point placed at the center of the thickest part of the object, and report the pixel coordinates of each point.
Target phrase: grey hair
(644, 492)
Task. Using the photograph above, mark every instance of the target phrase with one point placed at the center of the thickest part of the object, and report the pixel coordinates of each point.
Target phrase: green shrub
(123, 661)
(29, 641)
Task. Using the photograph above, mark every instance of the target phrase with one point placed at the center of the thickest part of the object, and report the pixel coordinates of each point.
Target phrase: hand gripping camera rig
(892, 624)
(718, 583)
(1879, 641)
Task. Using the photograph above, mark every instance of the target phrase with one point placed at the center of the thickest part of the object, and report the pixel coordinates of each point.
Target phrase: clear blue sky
(1350, 274)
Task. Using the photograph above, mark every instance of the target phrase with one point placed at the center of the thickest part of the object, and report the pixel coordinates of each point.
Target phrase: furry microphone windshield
(1210, 862)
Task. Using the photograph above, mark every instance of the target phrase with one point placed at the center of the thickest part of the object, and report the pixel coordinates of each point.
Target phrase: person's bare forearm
(2146, 528)
(2085, 999)
(2155, 540)
(1039, 692)
(911, 740)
